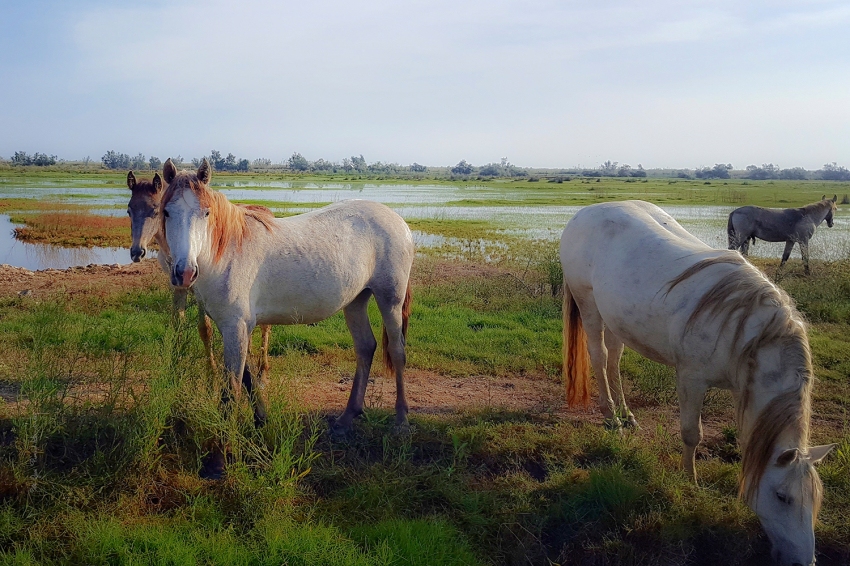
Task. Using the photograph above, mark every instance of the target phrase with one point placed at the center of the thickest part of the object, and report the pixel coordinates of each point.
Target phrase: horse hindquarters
(737, 239)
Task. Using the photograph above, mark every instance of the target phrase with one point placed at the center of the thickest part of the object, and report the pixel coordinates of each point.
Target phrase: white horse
(145, 226)
(249, 268)
(633, 276)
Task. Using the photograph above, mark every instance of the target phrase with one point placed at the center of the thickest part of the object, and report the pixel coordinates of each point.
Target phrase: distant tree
(298, 162)
(138, 162)
(624, 170)
(794, 174)
(324, 166)
(217, 161)
(609, 168)
(719, 171)
(834, 172)
(21, 158)
(40, 159)
(242, 165)
(177, 161)
(490, 170)
(196, 161)
(683, 174)
(114, 160)
(416, 168)
(230, 162)
(358, 163)
(261, 163)
(155, 163)
(639, 172)
(766, 171)
(462, 168)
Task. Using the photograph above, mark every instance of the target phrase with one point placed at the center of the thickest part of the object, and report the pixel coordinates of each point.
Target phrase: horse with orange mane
(145, 226)
(721, 323)
(250, 268)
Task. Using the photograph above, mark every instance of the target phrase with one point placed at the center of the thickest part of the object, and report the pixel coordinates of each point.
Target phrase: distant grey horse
(789, 225)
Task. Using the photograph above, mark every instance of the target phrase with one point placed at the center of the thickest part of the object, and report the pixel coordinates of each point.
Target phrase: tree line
(357, 164)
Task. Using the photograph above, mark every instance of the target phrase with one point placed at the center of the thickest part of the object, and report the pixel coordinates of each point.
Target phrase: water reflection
(44, 256)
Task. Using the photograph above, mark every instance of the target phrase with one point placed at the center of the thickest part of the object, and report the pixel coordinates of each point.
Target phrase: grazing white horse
(249, 268)
(145, 225)
(633, 276)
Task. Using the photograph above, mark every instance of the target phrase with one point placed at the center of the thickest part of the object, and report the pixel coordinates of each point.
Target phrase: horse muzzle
(137, 253)
(183, 276)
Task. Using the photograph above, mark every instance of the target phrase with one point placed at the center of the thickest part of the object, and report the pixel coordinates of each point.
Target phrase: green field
(110, 409)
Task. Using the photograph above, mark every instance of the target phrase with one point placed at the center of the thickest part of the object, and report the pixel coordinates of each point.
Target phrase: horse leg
(357, 319)
(178, 304)
(745, 247)
(615, 351)
(595, 330)
(804, 253)
(394, 342)
(235, 337)
(205, 331)
(789, 245)
(256, 385)
(691, 397)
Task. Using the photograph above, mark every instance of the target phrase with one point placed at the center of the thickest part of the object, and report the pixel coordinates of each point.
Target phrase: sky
(660, 83)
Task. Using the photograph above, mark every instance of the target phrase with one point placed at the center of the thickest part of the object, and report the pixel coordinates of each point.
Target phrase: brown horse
(789, 225)
(143, 210)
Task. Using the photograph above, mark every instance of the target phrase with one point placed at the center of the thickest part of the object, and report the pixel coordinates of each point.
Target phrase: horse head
(787, 503)
(142, 210)
(832, 208)
(185, 219)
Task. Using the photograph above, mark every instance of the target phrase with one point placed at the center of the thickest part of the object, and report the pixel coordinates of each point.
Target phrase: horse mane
(229, 221)
(817, 206)
(144, 186)
(734, 299)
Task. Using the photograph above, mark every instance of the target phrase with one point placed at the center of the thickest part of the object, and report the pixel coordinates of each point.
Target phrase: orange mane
(228, 221)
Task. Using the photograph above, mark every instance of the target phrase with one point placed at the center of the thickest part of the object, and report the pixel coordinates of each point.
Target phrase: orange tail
(385, 340)
(576, 357)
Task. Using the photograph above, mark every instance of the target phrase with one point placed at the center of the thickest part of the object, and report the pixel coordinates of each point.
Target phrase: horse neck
(776, 400)
(819, 211)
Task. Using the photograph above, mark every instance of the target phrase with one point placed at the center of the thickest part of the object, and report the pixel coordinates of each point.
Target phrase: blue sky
(660, 83)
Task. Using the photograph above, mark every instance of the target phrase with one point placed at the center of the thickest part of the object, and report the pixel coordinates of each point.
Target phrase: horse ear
(787, 457)
(157, 182)
(818, 453)
(834, 198)
(204, 172)
(131, 180)
(169, 171)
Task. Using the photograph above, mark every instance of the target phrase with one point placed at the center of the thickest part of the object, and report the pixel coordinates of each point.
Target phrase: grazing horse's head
(185, 217)
(832, 208)
(787, 503)
(143, 210)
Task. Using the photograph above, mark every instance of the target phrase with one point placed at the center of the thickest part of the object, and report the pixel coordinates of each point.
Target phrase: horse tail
(576, 357)
(385, 339)
(730, 233)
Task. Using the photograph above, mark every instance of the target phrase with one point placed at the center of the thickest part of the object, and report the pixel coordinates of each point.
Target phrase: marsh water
(434, 202)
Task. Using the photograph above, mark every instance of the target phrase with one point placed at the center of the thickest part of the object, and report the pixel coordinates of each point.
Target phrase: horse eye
(165, 212)
(207, 213)
(782, 497)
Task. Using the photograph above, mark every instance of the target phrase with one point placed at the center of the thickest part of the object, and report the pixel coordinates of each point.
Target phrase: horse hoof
(613, 423)
(403, 429)
(212, 466)
(631, 422)
(339, 431)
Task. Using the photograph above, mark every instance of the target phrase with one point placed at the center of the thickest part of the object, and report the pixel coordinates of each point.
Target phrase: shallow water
(545, 222)
(43, 256)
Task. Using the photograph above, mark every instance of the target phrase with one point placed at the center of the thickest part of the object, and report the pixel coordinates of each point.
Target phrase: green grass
(102, 465)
